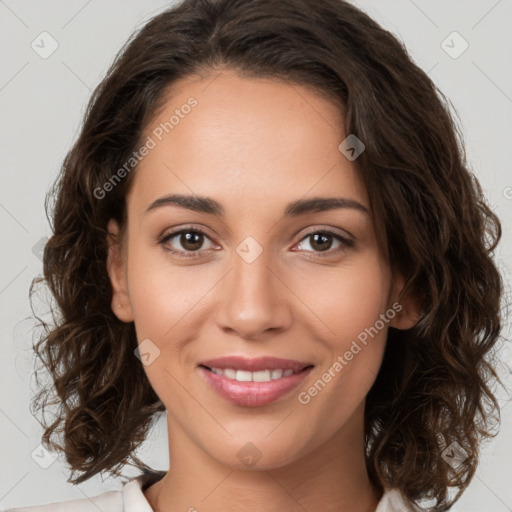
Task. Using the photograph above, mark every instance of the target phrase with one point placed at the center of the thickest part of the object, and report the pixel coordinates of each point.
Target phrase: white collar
(133, 497)
(134, 500)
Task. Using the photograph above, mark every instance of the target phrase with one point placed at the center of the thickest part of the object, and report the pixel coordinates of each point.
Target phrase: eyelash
(195, 254)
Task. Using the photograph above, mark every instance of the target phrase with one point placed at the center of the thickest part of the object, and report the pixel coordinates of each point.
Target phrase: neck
(332, 478)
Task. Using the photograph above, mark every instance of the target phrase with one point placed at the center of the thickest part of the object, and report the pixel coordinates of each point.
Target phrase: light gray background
(41, 105)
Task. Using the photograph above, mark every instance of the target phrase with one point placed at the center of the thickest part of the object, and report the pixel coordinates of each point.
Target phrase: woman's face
(261, 281)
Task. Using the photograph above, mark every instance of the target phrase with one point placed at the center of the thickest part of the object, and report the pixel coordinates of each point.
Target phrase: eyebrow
(294, 209)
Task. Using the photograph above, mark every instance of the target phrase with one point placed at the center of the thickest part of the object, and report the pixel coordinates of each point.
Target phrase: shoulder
(112, 501)
(128, 499)
(394, 501)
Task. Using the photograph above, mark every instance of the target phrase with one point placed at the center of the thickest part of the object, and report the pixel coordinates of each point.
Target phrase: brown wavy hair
(431, 220)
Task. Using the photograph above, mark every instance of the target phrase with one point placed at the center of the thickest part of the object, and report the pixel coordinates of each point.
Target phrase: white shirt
(131, 499)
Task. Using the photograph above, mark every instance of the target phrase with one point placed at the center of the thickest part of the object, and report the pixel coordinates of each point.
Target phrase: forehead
(246, 142)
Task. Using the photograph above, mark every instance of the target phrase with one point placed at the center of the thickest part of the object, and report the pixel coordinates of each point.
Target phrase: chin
(258, 453)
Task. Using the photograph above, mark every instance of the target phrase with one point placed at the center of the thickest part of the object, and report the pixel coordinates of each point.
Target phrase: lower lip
(253, 394)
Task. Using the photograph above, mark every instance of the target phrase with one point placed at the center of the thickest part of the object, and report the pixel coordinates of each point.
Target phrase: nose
(253, 298)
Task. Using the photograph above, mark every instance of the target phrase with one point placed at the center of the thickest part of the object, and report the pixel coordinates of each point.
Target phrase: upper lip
(254, 365)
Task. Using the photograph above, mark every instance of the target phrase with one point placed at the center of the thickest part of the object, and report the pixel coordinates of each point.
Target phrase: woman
(267, 229)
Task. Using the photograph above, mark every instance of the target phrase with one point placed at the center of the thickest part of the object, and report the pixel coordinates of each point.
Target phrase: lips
(221, 375)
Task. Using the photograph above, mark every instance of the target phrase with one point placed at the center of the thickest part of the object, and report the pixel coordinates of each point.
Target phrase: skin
(255, 145)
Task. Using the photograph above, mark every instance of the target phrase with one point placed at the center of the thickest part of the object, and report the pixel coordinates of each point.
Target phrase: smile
(244, 388)
(246, 376)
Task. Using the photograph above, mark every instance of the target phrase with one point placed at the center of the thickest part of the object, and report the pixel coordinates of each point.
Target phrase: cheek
(162, 298)
(161, 292)
(349, 305)
(346, 299)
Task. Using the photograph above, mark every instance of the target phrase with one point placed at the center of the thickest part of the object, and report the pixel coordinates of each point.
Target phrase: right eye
(191, 239)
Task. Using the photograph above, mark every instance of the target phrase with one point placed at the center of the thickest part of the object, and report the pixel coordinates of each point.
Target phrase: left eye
(322, 242)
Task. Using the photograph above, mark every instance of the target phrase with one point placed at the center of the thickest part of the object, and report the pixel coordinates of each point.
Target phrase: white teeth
(276, 374)
(243, 376)
(228, 372)
(259, 376)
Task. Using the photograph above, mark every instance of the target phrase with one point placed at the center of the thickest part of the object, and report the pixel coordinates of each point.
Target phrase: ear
(407, 307)
(116, 268)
